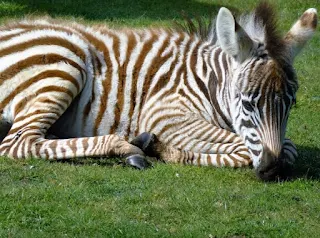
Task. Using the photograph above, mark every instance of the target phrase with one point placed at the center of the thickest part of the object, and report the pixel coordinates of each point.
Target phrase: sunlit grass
(101, 199)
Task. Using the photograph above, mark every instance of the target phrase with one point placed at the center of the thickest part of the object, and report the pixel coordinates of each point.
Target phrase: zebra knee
(122, 148)
(148, 143)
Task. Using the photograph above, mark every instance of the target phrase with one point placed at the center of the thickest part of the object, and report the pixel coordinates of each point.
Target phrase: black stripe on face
(248, 106)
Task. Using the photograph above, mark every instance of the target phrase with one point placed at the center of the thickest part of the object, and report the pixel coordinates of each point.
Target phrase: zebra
(73, 91)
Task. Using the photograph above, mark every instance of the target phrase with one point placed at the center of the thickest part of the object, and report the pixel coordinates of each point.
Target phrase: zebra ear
(232, 38)
(301, 31)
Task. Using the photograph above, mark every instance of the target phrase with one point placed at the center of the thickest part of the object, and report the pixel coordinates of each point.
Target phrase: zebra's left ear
(232, 38)
(301, 31)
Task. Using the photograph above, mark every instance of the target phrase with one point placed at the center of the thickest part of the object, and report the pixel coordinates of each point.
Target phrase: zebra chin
(274, 167)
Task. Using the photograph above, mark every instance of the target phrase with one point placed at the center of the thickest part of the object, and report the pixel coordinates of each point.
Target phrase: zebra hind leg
(27, 138)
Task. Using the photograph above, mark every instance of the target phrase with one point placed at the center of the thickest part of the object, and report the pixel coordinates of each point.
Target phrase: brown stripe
(213, 89)
(181, 132)
(48, 116)
(226, 162)
(22, 140)
(85, 145)
(218, 160)
(165, 79)
(191, 132)
(155, 65)
(54, 104)
(199, 160)
(169, 126)
(46, 40)
(119, 104)
(163, 118)
(50, 73)
(186, 96)
(217, 65)
(50, 26)
(37, 60)
(205, 59)
(204, 130)
(235, 161)
(8, 37)
(209, 162)
(41, 118)
(155, 111)
(106, 83)
(192, 66)
(147, 46)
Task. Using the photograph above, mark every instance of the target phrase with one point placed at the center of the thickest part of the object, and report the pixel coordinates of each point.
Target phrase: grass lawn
(103, 199)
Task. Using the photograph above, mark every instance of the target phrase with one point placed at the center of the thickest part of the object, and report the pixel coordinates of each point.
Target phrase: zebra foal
(220, 100)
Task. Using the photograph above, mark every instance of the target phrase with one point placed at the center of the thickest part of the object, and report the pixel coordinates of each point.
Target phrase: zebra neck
(219, 86)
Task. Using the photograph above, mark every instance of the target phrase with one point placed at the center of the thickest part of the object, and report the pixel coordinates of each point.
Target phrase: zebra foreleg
(30, 141)
(150, 144)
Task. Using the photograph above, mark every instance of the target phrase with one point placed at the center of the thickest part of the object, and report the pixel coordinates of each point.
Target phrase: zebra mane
(195, 25)
(261, 25)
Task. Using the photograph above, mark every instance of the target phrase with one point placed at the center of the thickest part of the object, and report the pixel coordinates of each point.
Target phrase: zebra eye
(247, 105)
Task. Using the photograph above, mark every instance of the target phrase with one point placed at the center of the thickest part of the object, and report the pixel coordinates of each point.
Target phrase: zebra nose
(272, 167)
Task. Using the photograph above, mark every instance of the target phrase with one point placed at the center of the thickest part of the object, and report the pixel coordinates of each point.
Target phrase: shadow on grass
(110, 9)
(308, 164)
(109, 162)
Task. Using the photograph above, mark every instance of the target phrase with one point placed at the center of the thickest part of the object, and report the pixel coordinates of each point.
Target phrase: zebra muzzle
(273, 168)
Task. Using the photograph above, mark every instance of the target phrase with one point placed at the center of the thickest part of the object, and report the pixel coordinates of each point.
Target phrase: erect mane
(261, 25)
(194, 25)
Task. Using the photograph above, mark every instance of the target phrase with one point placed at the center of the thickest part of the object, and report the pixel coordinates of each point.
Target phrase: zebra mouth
(274, 168)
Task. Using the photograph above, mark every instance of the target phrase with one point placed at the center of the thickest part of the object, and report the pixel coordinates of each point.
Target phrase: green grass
(98, 199)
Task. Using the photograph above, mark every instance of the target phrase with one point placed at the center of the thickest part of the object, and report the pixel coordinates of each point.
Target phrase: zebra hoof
(137, 161)
(146, 142)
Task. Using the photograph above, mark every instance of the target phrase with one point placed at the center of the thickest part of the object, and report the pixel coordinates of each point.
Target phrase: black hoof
(146, 142)
(137, 161)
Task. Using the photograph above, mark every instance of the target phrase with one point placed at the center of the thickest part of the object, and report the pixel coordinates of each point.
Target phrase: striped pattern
(96, 88)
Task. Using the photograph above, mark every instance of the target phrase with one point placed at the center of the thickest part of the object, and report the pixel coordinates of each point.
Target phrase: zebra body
(96, 88)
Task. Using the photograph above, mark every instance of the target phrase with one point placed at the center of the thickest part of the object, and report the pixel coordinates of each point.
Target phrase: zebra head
(263, 85)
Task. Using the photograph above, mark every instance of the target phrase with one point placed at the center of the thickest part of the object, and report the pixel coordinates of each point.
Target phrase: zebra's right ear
(302, 31)
(231, 37)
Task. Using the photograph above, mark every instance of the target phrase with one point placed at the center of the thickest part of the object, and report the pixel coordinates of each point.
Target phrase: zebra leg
(235, 155)
(30, 142)
(290, 153)
(32, 120)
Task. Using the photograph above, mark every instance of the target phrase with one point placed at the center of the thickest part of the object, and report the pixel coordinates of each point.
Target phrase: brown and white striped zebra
(200, 101)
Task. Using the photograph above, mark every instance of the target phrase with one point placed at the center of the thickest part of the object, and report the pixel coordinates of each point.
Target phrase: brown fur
(275, 44)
